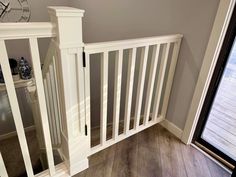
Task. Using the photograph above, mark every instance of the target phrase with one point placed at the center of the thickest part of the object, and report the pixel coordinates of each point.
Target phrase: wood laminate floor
(152, 153)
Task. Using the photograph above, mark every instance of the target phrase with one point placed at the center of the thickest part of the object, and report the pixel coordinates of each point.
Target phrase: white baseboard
(12, 134)
(172, 128)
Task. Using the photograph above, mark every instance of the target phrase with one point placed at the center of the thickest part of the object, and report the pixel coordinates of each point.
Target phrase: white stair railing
(62, 89)
(57, 83)
(144, 44)
(30, 31)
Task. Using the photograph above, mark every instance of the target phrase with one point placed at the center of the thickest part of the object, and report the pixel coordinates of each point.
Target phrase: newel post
(70, 77)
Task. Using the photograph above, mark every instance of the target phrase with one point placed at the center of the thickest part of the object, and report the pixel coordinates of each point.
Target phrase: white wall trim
(12, 134)
(218, 32)
(172, 128)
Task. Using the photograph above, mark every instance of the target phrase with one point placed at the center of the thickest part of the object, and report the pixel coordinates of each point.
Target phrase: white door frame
(215, 42)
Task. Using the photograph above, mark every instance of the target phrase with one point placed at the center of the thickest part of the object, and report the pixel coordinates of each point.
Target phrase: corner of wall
(172, 128)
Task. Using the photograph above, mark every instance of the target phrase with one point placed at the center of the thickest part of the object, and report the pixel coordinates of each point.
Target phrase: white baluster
(117, 93)
(15, 108)
(129, 88)
(170, 78)
(104, 97)
(151, 81)
(139, 96)
(48, 108)
(160, 82)
(33, 43)
(51, 115)
(55, 101)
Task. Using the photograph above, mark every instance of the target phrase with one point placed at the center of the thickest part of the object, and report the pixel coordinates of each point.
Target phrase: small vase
(24, 69)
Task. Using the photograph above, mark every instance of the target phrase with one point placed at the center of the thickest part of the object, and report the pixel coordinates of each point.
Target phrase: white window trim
(215, 42)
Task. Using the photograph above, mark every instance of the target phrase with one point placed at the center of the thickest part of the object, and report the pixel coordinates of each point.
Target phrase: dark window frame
(212, 90)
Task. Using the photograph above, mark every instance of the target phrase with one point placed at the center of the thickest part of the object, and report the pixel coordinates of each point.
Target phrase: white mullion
(42, 103)
(15, 108)
(160, 82)
(117, 93)
(129, 89)
(151, 81)
(104, 96)
(139, 96)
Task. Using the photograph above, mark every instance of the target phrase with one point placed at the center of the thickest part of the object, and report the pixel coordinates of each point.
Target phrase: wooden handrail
(130, 43)
(10, 31)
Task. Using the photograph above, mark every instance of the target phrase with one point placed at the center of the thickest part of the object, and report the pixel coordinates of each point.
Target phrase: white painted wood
(87, 93)
(117, 93)
(3, 171)
(15, 108)
(124, 136)
(160, 81)
(130, 43)
(42, 102)
(129, 88)
(69, 45)
(57, 96)
(218, 32)
(151, 81)
(58, 81)
(81, 92)
(48, 109)
(170, 77)
(105, 48)
(51, 116)
(26, 30)
(104, 97)
(55, 101)
(139, 96)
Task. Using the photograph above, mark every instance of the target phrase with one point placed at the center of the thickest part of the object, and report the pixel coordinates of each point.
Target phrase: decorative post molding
(69, 51)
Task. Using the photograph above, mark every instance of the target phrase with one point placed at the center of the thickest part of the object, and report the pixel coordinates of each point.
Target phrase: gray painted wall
(114, 20)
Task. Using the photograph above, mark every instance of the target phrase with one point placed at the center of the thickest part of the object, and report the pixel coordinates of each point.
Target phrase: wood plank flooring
(152, 153)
